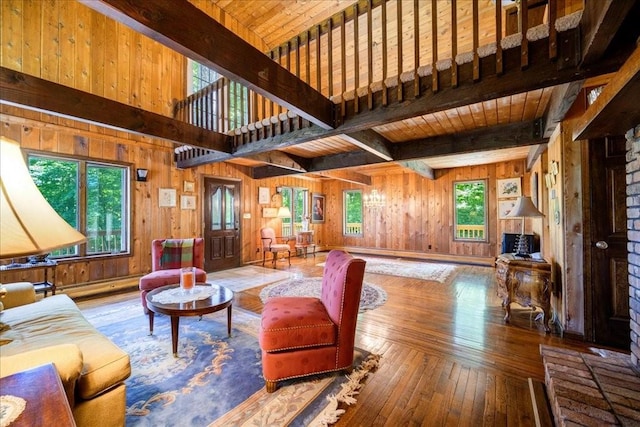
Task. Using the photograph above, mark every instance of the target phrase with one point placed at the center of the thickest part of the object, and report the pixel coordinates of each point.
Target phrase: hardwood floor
(447, 356)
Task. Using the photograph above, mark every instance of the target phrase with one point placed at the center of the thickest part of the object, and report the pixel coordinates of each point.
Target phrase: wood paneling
(418, 216)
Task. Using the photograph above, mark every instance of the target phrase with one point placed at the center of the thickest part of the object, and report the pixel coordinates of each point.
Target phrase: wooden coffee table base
(223, 299)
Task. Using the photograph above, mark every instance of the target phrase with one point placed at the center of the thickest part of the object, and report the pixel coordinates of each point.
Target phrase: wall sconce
(141, 175)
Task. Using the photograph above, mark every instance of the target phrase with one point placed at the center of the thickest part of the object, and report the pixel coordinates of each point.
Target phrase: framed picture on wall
(188, 202)
(263, 195)
(317, 208)
(167, 198)
(505, 207)
(508, 188)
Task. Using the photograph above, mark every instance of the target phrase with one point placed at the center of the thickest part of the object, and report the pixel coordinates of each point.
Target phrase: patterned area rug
(373, 296)
(415, 269)
(216, 380)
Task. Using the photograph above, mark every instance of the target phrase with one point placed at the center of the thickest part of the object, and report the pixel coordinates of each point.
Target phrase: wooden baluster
(278, 50)
(330, 57)
(207, 116)
(434, 46)
(524, 26)
(288, 60)
(385, 99)
(298, 56)
(369, 55)
(416, 48)
(343, 38)
(499, 63)
(356, 60)
(454, 44)
(318, 62)
(553, 34)
(308, 57)
(475, 27)
(400, 52)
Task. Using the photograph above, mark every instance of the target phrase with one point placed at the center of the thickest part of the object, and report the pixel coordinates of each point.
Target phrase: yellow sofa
(53, 330)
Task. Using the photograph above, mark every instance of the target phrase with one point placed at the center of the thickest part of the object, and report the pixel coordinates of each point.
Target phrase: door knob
(602, 244)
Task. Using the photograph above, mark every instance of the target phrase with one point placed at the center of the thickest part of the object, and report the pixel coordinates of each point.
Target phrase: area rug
(216, 379)
(415, 269)
(243, 278)
(373, 296)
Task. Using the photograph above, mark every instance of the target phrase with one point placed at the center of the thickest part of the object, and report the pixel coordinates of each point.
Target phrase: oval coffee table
(220, 300)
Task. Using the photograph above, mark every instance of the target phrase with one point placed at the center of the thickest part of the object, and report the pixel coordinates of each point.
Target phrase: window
(297, 200)
(233, 97)
(92, 197)
(352, 206)
(470, 201)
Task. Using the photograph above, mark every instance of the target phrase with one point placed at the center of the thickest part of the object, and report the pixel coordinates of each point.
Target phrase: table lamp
(524, 209)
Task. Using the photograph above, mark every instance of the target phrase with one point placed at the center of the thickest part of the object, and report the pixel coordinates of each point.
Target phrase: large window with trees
(93, 197)
(297, 200)
(352, 213)
(470, 202)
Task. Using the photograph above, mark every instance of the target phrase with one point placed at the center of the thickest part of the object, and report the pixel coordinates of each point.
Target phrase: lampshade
(284, 212)
(525, 208)
(29, 225)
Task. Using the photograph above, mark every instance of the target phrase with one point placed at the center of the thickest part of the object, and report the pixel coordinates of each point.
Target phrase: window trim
(485, 239)
(82, 200)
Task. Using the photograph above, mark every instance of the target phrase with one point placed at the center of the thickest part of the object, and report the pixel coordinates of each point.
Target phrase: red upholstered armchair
(168, 256)
(301, 336)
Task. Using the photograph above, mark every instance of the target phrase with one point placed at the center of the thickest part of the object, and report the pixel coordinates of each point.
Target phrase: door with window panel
(221, 224)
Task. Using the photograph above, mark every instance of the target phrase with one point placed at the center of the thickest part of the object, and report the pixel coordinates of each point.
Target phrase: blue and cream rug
(373, 296)
(216, 380)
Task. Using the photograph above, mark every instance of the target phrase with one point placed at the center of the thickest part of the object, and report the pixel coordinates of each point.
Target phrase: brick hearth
(591, 389)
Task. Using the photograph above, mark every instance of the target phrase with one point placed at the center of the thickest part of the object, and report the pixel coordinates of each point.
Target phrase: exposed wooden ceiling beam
(535, 152)
(562, 98)
(501, 136)
(282, 160)
(33, 93)
(348, 176)
(371, 141)
(186, 29)
(419, 167)
(616, 110)
(601, 19)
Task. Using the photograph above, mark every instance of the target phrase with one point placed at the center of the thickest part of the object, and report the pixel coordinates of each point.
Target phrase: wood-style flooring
(448, 358)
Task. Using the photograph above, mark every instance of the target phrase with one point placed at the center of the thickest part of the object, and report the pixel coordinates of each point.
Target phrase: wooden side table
(525, 281)
(304, 240)
(47, 284)
(45, 400)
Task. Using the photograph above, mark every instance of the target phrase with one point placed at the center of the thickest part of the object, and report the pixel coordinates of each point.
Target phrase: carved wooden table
(304, 240)
(525, 281)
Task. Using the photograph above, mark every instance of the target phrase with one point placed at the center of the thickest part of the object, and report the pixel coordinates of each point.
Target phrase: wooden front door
(609, 269)
(221, 224)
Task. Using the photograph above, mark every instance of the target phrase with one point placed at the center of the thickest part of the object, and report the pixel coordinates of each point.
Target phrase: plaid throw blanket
(177, 253)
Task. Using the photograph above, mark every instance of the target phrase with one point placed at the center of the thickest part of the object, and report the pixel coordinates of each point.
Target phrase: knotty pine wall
(418, 217)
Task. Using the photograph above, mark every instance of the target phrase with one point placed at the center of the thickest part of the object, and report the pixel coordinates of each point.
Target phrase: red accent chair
(300, 336)
(168, 272)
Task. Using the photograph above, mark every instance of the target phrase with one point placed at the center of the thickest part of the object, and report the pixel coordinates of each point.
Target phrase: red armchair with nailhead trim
(169, 273)
(301, 336)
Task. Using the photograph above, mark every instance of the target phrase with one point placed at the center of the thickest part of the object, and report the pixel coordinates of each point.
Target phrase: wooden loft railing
(381, 51)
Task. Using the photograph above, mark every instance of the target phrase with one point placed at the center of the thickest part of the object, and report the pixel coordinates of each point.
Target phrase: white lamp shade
(28, 223)
(525, 208)
(284, 212)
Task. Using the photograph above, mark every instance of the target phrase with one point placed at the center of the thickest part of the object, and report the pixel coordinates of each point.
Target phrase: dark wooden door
(221, 224)
(610, 276)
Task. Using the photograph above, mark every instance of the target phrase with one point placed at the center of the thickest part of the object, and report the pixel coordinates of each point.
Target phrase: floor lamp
(524, 209)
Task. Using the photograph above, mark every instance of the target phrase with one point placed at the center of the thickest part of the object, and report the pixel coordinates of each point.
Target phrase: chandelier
(374, 200)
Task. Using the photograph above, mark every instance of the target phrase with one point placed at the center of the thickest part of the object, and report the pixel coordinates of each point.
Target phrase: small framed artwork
(188, 202)
(189, 186)
(269, 212)
(167, 198)
(505, 207)
(263, 195)
(317, 208)
(508, 188)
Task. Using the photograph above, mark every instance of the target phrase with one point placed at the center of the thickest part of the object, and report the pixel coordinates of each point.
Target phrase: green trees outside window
(470, 202)
(352, 215)
(297, 200)
(92, 197)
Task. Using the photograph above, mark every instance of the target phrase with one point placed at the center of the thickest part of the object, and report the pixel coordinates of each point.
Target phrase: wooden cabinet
(304, 240)
(525, 281)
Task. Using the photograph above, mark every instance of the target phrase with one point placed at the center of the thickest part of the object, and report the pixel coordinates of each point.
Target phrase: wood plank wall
(418, 216)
